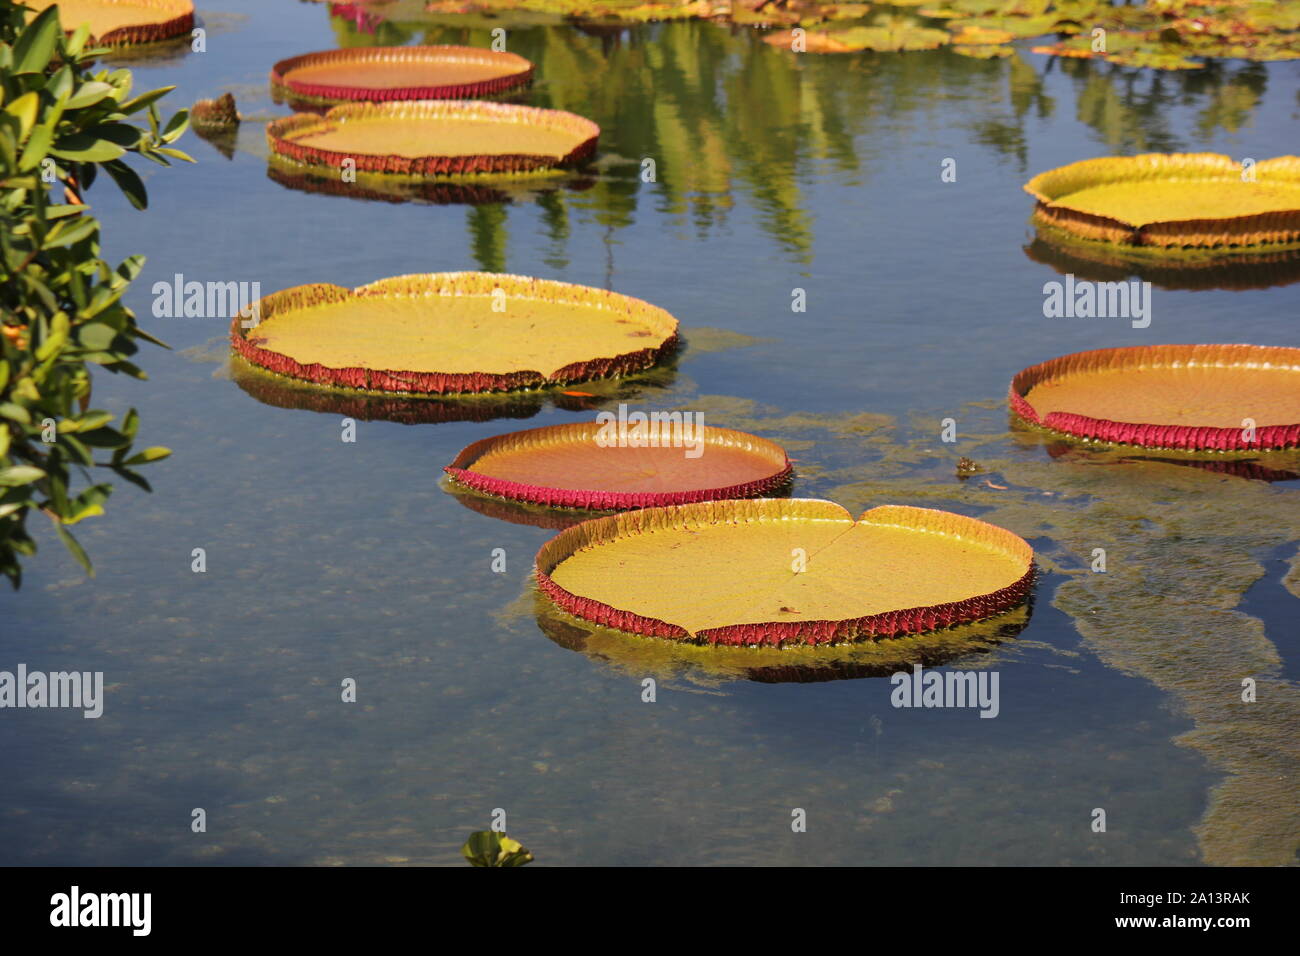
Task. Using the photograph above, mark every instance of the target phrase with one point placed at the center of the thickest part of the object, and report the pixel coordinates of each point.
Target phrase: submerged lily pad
(452, 333)
(784, 572)
(1173, 201)
(120, 22)
(432, 138)
(663, 460)
(378, 74)
(1223, 398)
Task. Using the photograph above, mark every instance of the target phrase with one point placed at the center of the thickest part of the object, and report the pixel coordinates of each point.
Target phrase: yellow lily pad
(776, 572)
(435, 138)
(1173, 200)
(114, 22)
(1222, 398)
(451, 333)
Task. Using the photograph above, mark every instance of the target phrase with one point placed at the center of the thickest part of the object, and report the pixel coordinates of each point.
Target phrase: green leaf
(73, 545)
(175, 154)
(20, 475)
(135, 479)
(88, 504)
(34, 48)
(15, 413)
(104, 437)
(129, 181)
(95, 418)
(77, 41)
(24, 109)
(120, 134)
(176, 126)
(130, 267)
(37, 147)
(68, 231)
(96, 336)
(144, 100)
(89, 94)
(154, 453)
(84, 148)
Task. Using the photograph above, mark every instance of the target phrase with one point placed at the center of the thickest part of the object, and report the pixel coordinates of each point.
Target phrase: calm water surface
(328, 560)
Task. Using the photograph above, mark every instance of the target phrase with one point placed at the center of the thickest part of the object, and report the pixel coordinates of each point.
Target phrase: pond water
(328, 560)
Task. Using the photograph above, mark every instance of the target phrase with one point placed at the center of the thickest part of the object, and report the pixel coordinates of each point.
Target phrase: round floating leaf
(1174, 201)
(120, 22)
(435, 138)
(777, 572)
(664, 460)
(1223, 398)
(452, 332)
(378, 74)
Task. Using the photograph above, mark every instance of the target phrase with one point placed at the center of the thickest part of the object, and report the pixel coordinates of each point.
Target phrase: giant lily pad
(1222, 398)
(1173, 201)
(662, 460)
(451, 333)
(378, 74)
(433, 138)
(119, 22)
(779, 572)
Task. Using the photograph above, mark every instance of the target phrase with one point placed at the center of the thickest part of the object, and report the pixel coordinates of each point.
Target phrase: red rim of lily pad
(516, 72)
(766, 463)
(656, 323)
(284, 137)
(1241, 358)
(887, 624)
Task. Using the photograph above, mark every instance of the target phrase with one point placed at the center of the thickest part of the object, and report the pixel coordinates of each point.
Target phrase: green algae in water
(1182, 546)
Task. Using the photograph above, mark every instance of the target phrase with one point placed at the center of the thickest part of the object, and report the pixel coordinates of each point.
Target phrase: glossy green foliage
(61, 310)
